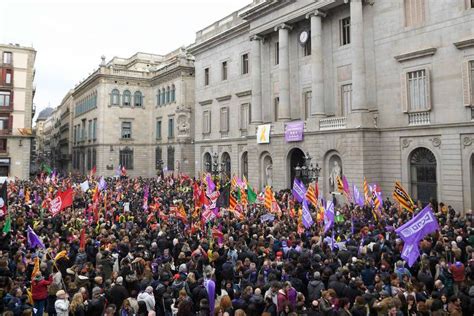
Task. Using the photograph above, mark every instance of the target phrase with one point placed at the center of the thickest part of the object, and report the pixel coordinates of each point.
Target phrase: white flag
(85, 186)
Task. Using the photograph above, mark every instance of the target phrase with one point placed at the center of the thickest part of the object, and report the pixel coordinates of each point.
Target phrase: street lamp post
(307, 173)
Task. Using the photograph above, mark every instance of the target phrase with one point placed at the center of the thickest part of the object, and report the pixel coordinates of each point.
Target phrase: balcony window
(126, 130)
(5, 98)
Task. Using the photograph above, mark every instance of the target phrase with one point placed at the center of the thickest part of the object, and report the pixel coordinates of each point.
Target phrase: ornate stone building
(16, 109)
(135, 112)
(385, 90)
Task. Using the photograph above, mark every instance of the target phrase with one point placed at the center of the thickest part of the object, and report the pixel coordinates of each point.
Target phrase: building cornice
(224, 98)
(243, 93)
(467, 43)
(263, 8)
(213, 41)
(416, 54)
(205, 102)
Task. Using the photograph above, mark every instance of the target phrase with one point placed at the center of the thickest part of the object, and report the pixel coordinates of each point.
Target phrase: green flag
(47, 169)
(251, 195)
(340, 218)
(7, 227)
(239, 195)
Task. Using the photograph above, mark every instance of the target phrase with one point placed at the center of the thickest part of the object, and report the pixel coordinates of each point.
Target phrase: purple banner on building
(294, 131)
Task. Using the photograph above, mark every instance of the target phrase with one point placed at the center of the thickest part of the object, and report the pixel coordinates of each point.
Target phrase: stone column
(359, 100)
(284, 112)
(317, 73)
(256, 71)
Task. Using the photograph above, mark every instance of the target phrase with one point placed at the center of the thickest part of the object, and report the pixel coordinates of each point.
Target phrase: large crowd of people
(133, 246)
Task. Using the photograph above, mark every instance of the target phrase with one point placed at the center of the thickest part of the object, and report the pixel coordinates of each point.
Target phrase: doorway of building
(296, 158)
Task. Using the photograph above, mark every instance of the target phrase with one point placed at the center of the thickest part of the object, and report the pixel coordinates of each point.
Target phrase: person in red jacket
(457, 271)
(39, 292)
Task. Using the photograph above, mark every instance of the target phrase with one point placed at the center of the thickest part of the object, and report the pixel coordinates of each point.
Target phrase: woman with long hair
(76, 308)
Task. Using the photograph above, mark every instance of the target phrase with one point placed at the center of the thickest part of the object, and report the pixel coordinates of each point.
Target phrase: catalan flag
(366, 191)
(243, 197)
(233, 182)
(232, 202)
(36, 268)
(312, 194)
(403, 198)
(268, 198)
(340, 185)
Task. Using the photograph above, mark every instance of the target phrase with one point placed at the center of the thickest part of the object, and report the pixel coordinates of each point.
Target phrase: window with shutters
(224, 120)
(244, 116)
(417, 83)
(345, 31)
(414, 12)
(346, 99)
(206, 122)
(126, 130)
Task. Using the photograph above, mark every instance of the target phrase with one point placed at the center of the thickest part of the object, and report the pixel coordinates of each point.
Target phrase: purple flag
(306, 216)
(299, 191)
(37, 198)
(210, 286)
(210, 184)
(328, 216)
(418, 227)
(117, 171)
(358, 198)
(33, 239)
(410, 253)
(102, 184)
(146, 191)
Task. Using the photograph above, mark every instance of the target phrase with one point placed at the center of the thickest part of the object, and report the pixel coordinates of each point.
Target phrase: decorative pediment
(224, 98)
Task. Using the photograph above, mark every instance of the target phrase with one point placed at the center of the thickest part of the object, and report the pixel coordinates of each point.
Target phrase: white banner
(263, 134)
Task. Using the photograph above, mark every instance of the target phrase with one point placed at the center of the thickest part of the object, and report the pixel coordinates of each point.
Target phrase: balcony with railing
(419, 118)
(332, 123)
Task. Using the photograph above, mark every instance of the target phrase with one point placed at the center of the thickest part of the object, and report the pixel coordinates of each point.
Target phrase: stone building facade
(135, 112)
(385, 90)
(16, 109)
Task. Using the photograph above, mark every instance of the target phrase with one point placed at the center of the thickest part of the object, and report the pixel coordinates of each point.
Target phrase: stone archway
(423, 176)
(295, 158)
(226, 165)
(207, 162)
(266, 173)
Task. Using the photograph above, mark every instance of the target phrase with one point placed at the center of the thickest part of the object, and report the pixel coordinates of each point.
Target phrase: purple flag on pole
(328, 216)
(102, 184)
(410, 253)
(33, 239)
(299, 191)
(306, 216)
(210, 184)
(422, 224)
(210, 286)
(358, 198)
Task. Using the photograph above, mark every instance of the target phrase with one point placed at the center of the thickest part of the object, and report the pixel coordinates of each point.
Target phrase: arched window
(126, 98)
(115, 97)
(138, 99)
(158, 158)
(423, 175)
(225, 160)
(173, 93)
(207, 162)
(170, 158)
(168, 95)
(163, 95)
(158, 97)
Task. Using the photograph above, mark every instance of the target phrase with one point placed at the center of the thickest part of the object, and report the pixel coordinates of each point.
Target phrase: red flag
(217, 233)
(61, 201)
(93, 171)
(82, 241)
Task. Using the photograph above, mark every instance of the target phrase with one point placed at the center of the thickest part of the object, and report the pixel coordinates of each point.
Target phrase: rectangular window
(307, 47)
(206, 76)
(276, 104)
(472, 4)
(94, 157)
(417, 90)
(471, 81)
(277, 53)
(206, 122)
(345, 31)
(307, 103)
(170, 128)
(245, 64)
(5, 98)
(346, 101)
(94, 129)
(244, 116)
(414, 12)
(158, 158)
(224, 70)
(224, 126)
(84, 131)
(126, 158)
(4, 123)
(170, 158)
(8, 76)
(158, 129)
(3, 145)
(89, 132)
(7, 57)
(127, 130)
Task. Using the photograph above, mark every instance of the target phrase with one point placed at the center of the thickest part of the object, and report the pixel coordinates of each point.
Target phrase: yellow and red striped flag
(268, 197)
(340, 185)
(243, 197)
(403, 198)
(366, 191)
(233, 182)
(232, 201)
(312, 194)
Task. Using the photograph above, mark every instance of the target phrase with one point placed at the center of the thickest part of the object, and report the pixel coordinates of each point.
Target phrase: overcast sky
(70, 35)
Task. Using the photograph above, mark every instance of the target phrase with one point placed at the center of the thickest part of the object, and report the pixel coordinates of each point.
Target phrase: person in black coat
(118, 293)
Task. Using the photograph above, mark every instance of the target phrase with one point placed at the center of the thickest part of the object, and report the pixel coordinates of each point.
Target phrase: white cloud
(70, 36)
